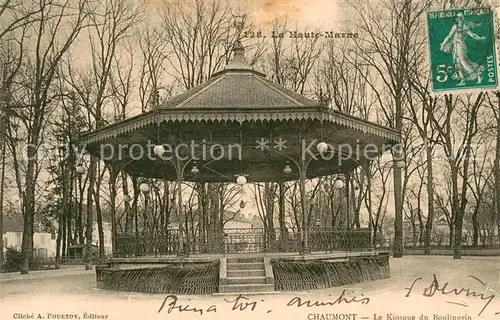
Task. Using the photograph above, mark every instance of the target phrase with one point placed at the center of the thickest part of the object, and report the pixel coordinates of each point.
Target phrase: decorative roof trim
(118, 129)
(242, 116)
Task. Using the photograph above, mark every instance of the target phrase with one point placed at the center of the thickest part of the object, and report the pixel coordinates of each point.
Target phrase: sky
(325, 15)
(319, 13)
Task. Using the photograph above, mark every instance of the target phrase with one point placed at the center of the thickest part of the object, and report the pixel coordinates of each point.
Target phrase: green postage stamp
(462, 52)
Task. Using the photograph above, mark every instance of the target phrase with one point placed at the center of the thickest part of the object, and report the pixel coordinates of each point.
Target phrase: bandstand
(240, 127)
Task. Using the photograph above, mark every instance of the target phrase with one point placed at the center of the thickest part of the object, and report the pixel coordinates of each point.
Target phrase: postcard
(249, 159)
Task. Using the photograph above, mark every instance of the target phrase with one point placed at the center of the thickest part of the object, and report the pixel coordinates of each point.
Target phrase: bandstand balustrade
(251, 240)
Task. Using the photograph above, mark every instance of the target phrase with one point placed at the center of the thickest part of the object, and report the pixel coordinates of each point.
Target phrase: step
(246, 280)
(244, 288)
(245, 266)
(245, 259)
(246, 273)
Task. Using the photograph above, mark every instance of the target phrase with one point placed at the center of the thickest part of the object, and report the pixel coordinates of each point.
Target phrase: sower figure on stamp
(465, 68)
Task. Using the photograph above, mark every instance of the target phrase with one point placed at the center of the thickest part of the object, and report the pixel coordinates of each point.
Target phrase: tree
(200, 35)
(15, 17)
(481, 175)
(377, 195)
(55, 29)
(111, 24)
(291, 62)
(345, 79)
(414, 215)
(153, 45)
(63, 129)
(121, 87)
(495, 107)
(390, 28)
(265, 197)
(460, 123)
(421, 105)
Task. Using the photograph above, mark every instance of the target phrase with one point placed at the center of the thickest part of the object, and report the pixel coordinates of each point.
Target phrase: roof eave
(241, 115)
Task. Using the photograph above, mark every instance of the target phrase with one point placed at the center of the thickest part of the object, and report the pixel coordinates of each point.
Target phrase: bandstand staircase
(246, 275)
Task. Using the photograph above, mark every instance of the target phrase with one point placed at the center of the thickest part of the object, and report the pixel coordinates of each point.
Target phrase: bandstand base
(210, 274)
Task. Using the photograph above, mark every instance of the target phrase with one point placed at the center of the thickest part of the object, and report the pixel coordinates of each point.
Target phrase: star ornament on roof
(280, 144)
(262, 144)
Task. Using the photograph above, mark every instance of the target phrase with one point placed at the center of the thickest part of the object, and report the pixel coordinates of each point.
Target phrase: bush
(14, 259)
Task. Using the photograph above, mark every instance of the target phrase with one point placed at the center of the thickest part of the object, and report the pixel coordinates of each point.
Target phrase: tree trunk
(204, 218)
(475, 226)
(98, 211)
(457, 246)
(356, 206)
(58, 240)
(28, 213)
(69, 229)
(398, 221)
(89, 228)
(128, 213)
(112, 199)
(348, 199)
(168, 204)
(270, 196)
(3, 120)
(430, 198)
(100, 230)
(281, 212)
(303, 203)
(64, 236)
(451, 238)
(29, 203)
(270, 206)
(214, 211)
(414, 231)
(79, 222)
(162, 203)
(369, 202)
(375, 231)
(134, 204)
(66, 212)
(497, 167)
(421, 229)
(68, 169)
(398, 185)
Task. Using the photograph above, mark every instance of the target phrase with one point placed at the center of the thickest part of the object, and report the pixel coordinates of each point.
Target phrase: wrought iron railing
(254, 240)
(142, 244)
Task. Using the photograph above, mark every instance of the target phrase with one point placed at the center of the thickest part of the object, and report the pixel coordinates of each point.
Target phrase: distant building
(236, 220)
(44, 242)
(232, 220)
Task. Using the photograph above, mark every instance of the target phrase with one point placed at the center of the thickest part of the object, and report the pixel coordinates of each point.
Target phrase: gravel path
(72, 294)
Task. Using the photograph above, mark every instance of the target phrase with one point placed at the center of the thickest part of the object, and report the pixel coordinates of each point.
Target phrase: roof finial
(239, 23)
(238, 61)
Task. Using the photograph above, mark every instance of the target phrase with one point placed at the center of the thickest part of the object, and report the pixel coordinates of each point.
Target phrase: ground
(72, 294)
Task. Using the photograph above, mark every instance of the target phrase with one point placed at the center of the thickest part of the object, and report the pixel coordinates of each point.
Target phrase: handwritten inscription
(299, 302)
(241, 303)
(436, 287)
(444, 289)
(171, 302)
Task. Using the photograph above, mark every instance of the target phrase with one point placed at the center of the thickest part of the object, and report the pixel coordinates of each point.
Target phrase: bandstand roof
(238, 105)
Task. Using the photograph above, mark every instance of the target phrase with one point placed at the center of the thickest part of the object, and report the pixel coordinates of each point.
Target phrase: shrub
(14, 260)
